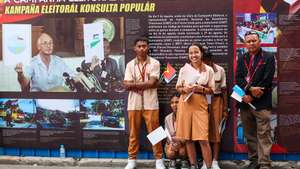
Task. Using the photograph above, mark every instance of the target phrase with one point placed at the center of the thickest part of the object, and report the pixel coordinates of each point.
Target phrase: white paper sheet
(16, 44)
(93, 41)
(222, 126)
(236, 96)
(188, 96)
(291, 2)
(189, 74)
(157, 135)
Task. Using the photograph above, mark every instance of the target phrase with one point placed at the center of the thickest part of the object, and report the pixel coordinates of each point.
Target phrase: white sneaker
(215, 165)
(159, 164)
(131, 164)
(204, 166)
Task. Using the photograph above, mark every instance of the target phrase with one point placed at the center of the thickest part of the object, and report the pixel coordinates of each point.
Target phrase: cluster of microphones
(84, 81)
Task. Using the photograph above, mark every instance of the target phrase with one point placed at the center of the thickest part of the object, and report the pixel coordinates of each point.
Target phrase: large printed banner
(83, 105)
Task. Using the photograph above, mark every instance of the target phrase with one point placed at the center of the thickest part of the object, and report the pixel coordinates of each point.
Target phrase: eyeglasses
(47, 44)
(251, 33)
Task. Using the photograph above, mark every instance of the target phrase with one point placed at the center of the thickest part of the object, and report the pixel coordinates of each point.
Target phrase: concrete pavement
(14, 162)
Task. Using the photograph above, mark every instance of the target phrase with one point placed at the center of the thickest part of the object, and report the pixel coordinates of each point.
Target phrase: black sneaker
(265, 167)
(194, 167)
(172, 164)
(253, 165)
(184, 164)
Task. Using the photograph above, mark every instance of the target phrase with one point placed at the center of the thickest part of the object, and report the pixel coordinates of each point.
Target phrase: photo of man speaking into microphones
(81, 55)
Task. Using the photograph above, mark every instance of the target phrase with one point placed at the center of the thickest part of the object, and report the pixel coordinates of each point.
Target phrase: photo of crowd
(264, 24)
(17, 113)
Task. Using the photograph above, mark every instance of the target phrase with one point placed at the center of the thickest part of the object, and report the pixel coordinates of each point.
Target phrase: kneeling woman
(192, 116)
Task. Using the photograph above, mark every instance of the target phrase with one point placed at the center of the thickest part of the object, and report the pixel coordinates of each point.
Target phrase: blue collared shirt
(43, 79)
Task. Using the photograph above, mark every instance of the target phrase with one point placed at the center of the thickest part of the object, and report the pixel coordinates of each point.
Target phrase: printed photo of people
(54, 55)
(56, 113)
(102, 114)
(17, 113)
(264, 24)
(289, 7)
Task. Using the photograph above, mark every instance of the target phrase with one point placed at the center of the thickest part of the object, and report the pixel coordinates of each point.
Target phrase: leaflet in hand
(222, 126)
(190, 76)
(188, 96)
(168, 134)
(157, 135)
(238, 94)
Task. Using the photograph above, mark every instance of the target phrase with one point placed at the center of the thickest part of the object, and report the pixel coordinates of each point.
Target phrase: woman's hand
(198, 88)
(188, 89)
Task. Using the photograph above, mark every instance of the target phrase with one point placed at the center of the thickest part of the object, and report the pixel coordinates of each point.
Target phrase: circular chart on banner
(108, 28)
(17, 44)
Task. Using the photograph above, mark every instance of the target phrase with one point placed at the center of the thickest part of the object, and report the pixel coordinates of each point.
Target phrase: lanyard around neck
(142, 71)
(249, 66)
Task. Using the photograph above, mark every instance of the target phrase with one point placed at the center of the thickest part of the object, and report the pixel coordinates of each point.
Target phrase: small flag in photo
(169, 74)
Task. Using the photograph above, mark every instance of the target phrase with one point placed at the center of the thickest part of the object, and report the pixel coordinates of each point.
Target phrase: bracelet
(203, 89)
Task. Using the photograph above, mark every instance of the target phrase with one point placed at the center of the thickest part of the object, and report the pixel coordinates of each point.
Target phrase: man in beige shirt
(141, 80)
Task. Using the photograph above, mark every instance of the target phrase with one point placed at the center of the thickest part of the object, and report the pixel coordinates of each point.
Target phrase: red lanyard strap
(251, 74)
(142, 71)
(249, 66)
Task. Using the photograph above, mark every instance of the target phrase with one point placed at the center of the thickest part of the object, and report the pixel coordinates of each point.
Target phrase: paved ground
(9, 162)
(50, 167)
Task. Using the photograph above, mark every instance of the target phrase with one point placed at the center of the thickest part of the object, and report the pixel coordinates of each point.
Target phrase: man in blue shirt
(45, 71)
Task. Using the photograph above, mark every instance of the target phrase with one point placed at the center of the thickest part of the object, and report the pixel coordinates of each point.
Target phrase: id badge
(247, 79)
(103, 74)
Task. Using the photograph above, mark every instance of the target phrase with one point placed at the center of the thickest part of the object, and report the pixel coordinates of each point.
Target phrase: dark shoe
(194, 167)
(184, 164)
(172, 164)
(253, 165)
(265, 167)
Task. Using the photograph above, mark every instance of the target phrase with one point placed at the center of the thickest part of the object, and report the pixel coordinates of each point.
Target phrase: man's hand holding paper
(247, 99)
(240, 95)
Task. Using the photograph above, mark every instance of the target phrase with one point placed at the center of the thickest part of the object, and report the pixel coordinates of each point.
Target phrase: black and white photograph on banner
(82, 54)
